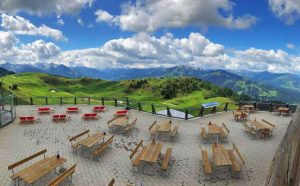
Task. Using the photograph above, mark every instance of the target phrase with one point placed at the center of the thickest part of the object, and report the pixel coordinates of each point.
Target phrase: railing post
(89, 100)
(102, 101)
(140, 106)
(127, 104)
(116, 102)
(46, 100)
(31, 101)
(169, 112)
(213, 110)
(75, 100)
(270, 107)
(61, 100)
(201, 111)
(16, 100)
(153, 109)
(186, 114)
(226, 107)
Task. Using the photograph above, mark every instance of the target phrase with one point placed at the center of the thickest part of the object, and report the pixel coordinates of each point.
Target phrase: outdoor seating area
(118, 150)
(283, 111)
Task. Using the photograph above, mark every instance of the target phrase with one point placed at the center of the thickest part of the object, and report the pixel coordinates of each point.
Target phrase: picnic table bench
(130, 126)
(206, 163)
(224, 131)
(153, 128)
(60, 117)
(251, 130)
(37, 170)
(151, 153)
(102, 147)
(72, 109)
(220, 155)
(75, 138)
(214, 129)
(281, 110)
(174, 132)
(239, 115)
(99, 108)
(203, 133)
(236, 164)
(90, 116)
(89, 142)
(27, 119)
(166, 160)
(65, 175)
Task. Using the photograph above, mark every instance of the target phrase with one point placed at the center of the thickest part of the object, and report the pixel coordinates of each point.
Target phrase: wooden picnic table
(259, 125)
(92, 140)
(120, 121)
(239, 115)
(214, 129)
(165, 127)
(220, 155)
(33, 174)
(152, 152)
(283, 110)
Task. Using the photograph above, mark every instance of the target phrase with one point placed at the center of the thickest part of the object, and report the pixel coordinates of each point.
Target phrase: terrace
(18, 141)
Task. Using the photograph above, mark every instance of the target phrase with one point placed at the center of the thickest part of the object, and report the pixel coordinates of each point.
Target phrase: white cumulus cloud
(149, 15)
(19, 25)
(286, 10)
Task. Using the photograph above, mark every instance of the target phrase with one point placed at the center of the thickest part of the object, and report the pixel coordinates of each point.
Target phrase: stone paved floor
(17, 142)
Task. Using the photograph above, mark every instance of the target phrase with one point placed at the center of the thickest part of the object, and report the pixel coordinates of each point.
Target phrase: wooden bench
(224, 133)
(136, 149)
(112, 182)
(174, 131)
(153, 128)
(166, 160)
(109, 123)
(236, 165)
(206, 162)
(129, 127)
(65, 175)
(203, 133)
(136, 162)
(249, 130)
(99, 108)
(272, 126)
(74, 138)
(102, 147)
(15, 176)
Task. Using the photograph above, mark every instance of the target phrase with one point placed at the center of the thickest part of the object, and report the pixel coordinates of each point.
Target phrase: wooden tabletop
(220, 155)
(152, 152)
(259, 125)
(120, 121)
(165, 127)
(92, 140)
(282, 109)
(32, 175)
(214, 129)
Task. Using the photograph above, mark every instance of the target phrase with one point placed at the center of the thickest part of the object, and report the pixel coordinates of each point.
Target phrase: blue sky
(231, 34)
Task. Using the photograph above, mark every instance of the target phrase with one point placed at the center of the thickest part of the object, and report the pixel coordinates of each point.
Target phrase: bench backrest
(152, 125)
(27, 159)
(133, 123)
(122, 112)
(272, 125)
(43, 108)
(238, 153)
(135, 149)
(112, 182)
(94, 115)
(62, 176)
(55, 116)
(78, 135)
(99, 107)
(112, 120)
(167, 158)
(226, 128)
(72, 108)
(23, 118)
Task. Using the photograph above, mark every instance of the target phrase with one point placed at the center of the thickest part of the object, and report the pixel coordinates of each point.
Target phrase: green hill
(179, 93)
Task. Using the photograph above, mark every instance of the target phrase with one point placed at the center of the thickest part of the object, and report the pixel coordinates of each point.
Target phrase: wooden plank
(137, 160)
(235, 165)
(78, 135)
(272, 125)
(112, 182)
(204, 133)
(214, 129)
(27, 159)
(206, 163)
(135, 149)
(92, 140)
(239, 154)
(61, 177)
(152, 125)
(166, 159)
(226, 128)
(165, 127)
(220, 155)
(174, 131)
(152, 152)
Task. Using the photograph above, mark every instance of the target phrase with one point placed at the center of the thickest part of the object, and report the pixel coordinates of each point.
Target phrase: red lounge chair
(90, 116)
(44, 110)
(99, 108)
(121, 113)
(72, 109)
(27, 119)
(59, 117)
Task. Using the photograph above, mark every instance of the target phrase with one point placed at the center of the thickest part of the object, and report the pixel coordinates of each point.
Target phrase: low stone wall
(285, 168)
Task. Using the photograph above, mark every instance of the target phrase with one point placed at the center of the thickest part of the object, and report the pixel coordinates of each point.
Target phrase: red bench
(90, 116)
(99, 108)
(44, 110)
(27, 119)
(72, 109)
(121, 113)
(59, 117)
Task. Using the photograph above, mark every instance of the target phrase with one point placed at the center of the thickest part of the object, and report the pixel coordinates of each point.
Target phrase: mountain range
(260, 85)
